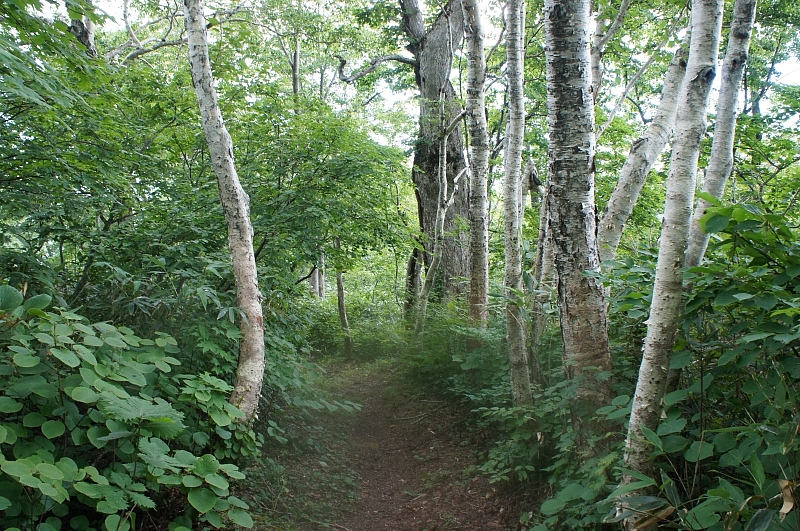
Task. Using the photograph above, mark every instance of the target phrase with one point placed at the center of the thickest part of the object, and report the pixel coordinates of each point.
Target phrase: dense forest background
(120, 329)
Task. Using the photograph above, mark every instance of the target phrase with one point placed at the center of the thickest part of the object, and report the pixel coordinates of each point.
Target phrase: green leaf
(50, 471)
(552, 506)
(67, 357)
(191, 481)
(215, 480)
(220, 417)
(714, 223)
(26, 360)
(699, 450)
(202, 499)
(114, 523)
(9, 405)
(92, 341)
(18, 468)
(714, 201)
(761, 520)
(240, 517)
(34, 419)
(84, 395)
(53, 428)
(671, 426)
(205, 465)
(38, 302)
(651, 436)
(10, 298)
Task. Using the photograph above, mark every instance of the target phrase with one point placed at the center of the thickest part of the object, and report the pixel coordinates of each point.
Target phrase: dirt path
(411, 466)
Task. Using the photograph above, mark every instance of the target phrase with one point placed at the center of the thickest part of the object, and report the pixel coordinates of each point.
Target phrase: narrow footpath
(411, 464)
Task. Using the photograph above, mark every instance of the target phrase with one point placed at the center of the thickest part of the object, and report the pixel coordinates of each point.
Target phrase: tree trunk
(721, 162)
(570, 200)
(433, 51)
(313, 282)
(444, 202)
(515, 324)
(642, 156)
(603, 33)
(479, 143)
(236, 205)
(340, 303)
(666, 307)
(543, 280)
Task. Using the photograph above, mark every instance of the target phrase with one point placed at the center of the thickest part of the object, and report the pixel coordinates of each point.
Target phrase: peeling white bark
(479, 157)
(570, 198)
(667, 302)
(236, 205)
(512, 198)
(642, 156)
(721, 162)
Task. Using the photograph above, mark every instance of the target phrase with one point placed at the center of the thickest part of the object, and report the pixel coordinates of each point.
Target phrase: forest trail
(411, 465)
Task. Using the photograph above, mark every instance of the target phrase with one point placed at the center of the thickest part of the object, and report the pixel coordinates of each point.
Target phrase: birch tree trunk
(515, 324)
(642, 156)
(721, 162)
(342, 307)
(570, 199)
(479, 144)
(433, 50)
(236, 205)
(603, 33)
(666, 307)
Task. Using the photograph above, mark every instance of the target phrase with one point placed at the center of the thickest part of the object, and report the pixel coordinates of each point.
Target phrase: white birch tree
(667, 302)
(236, 206)
(642, 156)
(721, 162)
(570, 198)
(512, 198)
(479, 158)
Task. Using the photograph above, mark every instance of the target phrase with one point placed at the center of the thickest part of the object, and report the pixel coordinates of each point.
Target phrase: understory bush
(98, 427)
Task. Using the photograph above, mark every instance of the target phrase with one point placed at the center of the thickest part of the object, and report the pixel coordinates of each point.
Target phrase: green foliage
(96, 426)
(726, 445)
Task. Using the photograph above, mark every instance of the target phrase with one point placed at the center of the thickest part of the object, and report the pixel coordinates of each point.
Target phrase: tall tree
(479, 161)
(236, 205)
(433, 54)
(666, 307)
(512, 199)
(721, 162)
(642, 156)
(444, 202)
(570, 198)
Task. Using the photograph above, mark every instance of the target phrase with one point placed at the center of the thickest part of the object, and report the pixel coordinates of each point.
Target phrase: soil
(410, 464)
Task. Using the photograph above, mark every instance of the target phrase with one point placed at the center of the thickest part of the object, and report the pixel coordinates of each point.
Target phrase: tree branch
(373, 65)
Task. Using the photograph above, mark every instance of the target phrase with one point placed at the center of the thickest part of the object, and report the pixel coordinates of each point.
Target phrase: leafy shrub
(96, 427)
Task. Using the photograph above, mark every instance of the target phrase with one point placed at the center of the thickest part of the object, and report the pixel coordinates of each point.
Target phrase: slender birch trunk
(515, 324)
(642, 156)
(340, 303)
(479, 144)
(570, 200)
(667, 302)
(603, 33)
(236, 205)
(721, 162)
